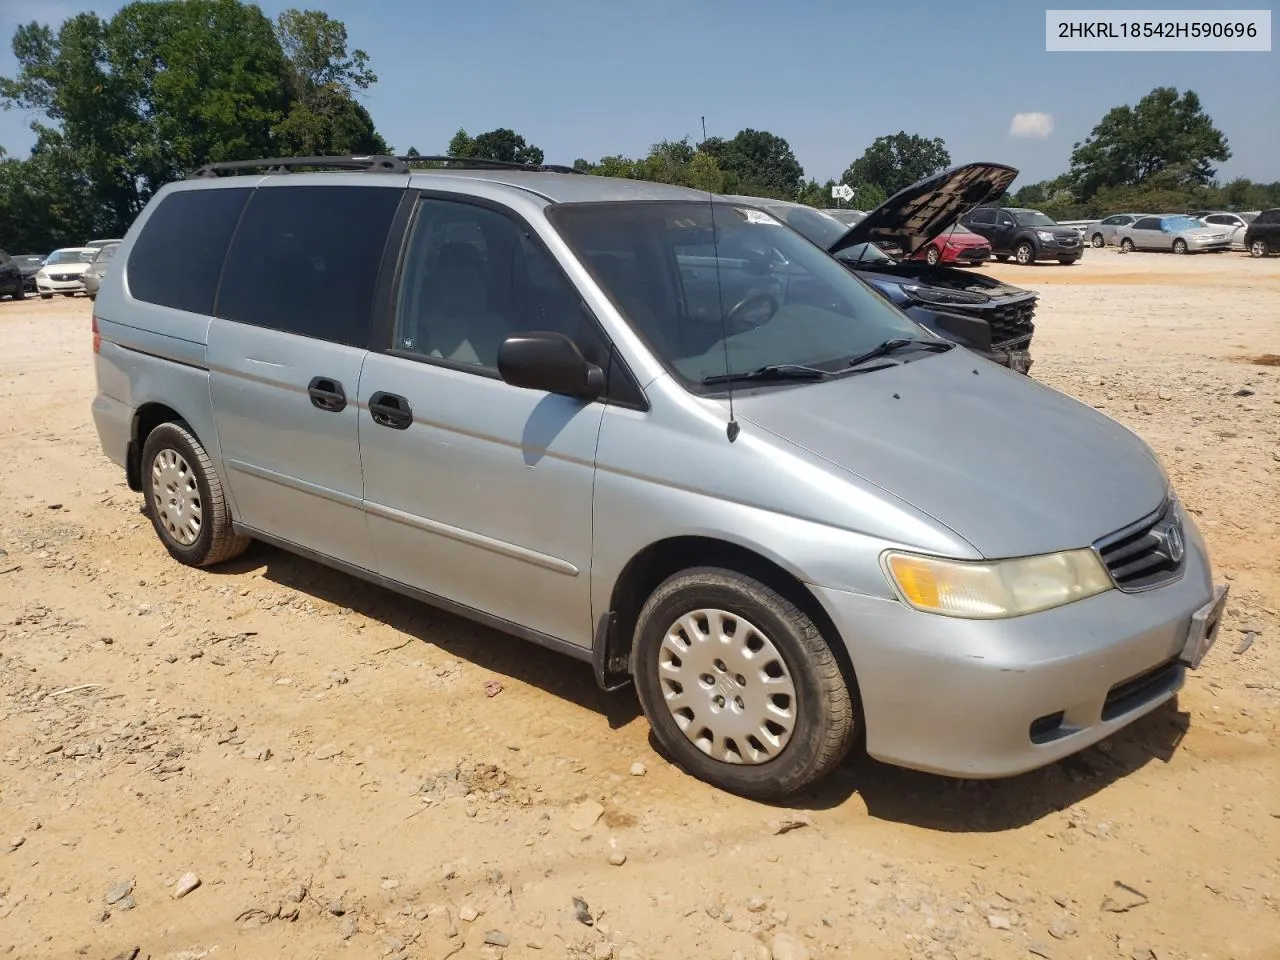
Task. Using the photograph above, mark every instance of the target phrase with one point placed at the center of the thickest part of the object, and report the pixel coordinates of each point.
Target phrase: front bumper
(995, 698)
(969, 255)
(60, 286)
(1208, 246)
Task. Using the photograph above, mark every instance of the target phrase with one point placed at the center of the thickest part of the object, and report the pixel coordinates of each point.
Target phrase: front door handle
(327, 394)
(390, 410)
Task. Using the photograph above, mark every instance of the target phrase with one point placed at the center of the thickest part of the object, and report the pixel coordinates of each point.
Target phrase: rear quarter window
(305, 260)
(176, 260)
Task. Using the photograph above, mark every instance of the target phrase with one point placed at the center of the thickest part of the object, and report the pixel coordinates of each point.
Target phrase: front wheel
(1258, 248)
(932, 256)
(46, 296)
(185, 499)
(1126, 245)
(1098, 240)
(1066, 261)
(739, 685)
(1024, 253)
(1179, 246)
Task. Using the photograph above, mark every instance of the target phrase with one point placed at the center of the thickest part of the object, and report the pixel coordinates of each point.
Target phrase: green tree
(501, 144)
(896, 161)
(762, 162)
(1164, 132)
(324, 116)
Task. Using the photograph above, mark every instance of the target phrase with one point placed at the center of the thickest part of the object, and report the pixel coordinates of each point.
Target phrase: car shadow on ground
(890, 793)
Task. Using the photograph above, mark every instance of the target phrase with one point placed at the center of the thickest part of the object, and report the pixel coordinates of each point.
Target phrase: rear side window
(305, 260)
(176, 260)
(1268, 216)
(983, 215)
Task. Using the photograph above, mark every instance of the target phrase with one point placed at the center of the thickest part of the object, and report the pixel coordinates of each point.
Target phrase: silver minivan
(658, 432)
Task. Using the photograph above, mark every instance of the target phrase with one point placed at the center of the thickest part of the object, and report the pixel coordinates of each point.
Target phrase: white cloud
(1033, 126)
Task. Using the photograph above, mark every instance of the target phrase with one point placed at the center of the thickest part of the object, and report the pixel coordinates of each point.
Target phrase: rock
(637, 769)
(617, 856)
(998, 921)
(1243, 392)
(297, 893)
(16, 842)
(584, 815)
(1062, 928)
(186, 883)
(785, 946)
(468, 913)
(603, 950)
(1123, 898)
(757, 903)
(349, 927)
(336, 908)
(492, 688)
(126, 903)
(337, 677)
(581, 912)
(102, 916)
(1039, 949)
(1164, 394)
(328, 751)
(118, 892)
(497, 938)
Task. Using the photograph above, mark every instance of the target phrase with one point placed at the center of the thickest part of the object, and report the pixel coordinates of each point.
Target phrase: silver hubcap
(175, 496)
(1024, 255)
(1258, 248)
(727, 687)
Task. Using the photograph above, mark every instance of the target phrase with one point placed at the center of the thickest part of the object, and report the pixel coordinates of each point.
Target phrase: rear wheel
(739, 685)
(1259, 248)
(1179, 246)
(185, 499)
(1126, 245)
(1024, 253)
(932, 256)
(1098, 240)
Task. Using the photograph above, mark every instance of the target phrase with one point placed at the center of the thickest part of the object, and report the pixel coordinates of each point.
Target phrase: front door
(477, 491)
(286, 349)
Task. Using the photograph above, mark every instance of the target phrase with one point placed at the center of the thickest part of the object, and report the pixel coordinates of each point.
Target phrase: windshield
(1034, 218)
(863, 253)
(822, 228)
(1182, 223)
(753, 293)
(72, 256)
(848, 217)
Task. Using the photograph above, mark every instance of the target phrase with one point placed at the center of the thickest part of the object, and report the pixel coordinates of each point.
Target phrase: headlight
(992, 589)
(1044, 235)
(942, 296)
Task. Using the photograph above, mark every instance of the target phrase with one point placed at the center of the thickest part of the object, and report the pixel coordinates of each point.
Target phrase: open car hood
(915, 215)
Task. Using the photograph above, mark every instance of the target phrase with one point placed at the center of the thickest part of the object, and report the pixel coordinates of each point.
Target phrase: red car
(957, 245)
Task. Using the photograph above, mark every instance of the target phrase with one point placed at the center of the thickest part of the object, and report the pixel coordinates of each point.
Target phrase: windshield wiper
(774, 371)
(900, 343)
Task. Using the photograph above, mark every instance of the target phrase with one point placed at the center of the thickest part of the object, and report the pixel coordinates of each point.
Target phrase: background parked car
(63, 271)
(957, 245)
(93, 276)
(988, 317)
(1237, 223)
(1173, 232)
(1104, 231)
(1263, 236)
(11, 284)
(101, 243)
(29, 264)
(1026, 235)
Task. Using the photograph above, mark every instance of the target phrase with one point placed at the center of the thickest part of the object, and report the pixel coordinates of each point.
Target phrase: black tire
(1098, 240)
(1066, 261)
(20, 293)
(216, 540)
(1025, 253)
(1002, 257)
(1126, 245)
(932, 257)
(46, 296)
(826, 711)
(1180, 246)
(1259, 247)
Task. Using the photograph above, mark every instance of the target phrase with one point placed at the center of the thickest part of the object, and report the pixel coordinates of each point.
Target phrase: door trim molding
(470, 538)
(262, 473)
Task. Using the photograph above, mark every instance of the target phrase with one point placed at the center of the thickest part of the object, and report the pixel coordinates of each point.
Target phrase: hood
(78, 267)
(1012, 466)
(914, 216)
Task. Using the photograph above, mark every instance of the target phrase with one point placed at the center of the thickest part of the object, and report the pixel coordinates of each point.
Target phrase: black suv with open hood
(981, 313)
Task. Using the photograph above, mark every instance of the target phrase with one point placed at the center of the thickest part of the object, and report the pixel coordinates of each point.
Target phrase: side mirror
(543, 360)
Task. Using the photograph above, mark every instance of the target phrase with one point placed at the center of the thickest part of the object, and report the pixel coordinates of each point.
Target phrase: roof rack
(369, 164)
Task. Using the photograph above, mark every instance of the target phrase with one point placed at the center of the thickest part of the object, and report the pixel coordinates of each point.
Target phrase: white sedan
(63, 271)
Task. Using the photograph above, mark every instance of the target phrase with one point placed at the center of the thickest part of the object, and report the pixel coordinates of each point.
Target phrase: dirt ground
(324, 757)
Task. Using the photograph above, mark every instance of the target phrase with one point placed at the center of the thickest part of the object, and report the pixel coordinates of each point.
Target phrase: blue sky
(586, 79)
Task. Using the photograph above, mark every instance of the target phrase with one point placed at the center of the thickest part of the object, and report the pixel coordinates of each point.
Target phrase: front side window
(1147, 223)
(699, 284)
(472, 277)
(983, 215)
(305, 260)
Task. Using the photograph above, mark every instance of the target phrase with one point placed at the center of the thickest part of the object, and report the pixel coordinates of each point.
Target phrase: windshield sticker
(758, 216)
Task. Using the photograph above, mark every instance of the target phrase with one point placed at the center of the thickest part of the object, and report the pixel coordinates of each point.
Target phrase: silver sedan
(1175, 232)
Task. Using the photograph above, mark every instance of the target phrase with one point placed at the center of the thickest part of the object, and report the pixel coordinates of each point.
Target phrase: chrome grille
(1146, 554)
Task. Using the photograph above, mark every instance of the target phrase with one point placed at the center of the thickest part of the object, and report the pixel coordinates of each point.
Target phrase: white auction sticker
(1157, 31)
